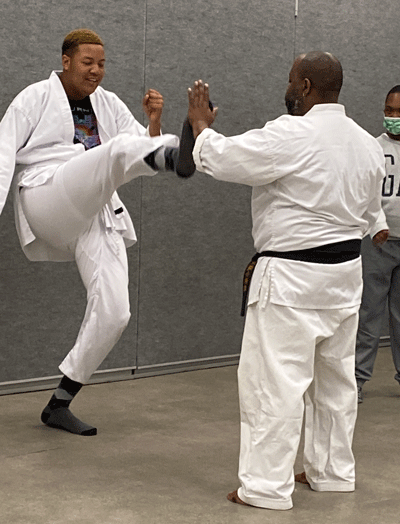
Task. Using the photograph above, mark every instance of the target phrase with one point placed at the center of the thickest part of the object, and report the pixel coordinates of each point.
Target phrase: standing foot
(62, 418)
(234, 497)
(301, 477)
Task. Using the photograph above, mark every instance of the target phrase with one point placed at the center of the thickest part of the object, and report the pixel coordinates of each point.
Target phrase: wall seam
(140, 228)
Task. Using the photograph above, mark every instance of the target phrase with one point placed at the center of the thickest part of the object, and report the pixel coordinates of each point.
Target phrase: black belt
(335, 253)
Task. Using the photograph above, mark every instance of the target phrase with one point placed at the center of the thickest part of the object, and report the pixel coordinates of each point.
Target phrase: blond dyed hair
(77, 37)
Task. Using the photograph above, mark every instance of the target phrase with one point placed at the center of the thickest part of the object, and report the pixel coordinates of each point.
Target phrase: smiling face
(83, 71)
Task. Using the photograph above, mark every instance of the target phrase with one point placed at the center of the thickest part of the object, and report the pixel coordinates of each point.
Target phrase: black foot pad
(62, 418)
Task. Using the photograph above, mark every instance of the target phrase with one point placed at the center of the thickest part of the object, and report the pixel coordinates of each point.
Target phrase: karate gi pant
(381, 277)
(295, 363)
(66, 213)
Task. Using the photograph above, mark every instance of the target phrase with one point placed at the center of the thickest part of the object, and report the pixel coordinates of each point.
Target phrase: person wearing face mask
(381, 259)
(71, 144)
(315, 177)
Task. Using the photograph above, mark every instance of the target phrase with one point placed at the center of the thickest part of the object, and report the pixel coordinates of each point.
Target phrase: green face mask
(392, 125)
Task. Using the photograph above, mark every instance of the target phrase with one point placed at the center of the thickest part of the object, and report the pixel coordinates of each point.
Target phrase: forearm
(243, 159)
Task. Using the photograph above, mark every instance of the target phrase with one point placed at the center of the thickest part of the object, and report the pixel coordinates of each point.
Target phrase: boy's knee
(120, 316)
(124, 319)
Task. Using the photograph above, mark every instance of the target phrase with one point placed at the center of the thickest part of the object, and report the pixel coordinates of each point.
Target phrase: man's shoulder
(31, 93)
(42, 85)
(389, 145)
(283, 123)
(386, 142)
(363, 135)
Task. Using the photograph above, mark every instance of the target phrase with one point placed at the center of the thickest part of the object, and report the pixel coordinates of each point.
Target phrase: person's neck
(71, 93)
(311, 102)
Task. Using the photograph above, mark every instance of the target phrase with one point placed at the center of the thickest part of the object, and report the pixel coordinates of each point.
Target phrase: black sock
(164, 158)
(57, 414)
(64, 394)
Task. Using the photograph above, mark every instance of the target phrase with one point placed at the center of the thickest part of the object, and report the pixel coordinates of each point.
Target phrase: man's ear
(306, 87)
(65, 60)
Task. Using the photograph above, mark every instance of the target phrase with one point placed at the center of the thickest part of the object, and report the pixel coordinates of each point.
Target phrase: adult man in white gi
(380, 259)
(72, 144)
(315, 176)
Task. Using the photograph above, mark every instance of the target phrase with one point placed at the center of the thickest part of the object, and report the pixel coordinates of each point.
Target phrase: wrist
(198, 126)
(155, 128)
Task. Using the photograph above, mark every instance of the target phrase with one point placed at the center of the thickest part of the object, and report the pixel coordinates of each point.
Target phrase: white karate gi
(65, 201)
(316, 180)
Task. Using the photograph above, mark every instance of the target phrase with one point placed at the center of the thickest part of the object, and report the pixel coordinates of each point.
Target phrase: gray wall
(194, 235)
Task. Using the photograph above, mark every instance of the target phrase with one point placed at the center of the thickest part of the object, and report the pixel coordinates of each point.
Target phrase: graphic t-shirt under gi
(85, 121)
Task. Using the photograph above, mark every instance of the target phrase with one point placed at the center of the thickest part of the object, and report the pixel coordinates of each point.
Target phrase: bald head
(315, 78)
(324, 72)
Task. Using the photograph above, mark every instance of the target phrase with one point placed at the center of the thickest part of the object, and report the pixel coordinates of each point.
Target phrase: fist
(380, 238)
(153, 104)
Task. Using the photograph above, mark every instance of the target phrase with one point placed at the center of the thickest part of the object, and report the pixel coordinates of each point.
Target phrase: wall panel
(363, 35)
(196, 234)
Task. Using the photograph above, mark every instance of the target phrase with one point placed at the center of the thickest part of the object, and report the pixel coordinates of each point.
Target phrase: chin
(89, 89)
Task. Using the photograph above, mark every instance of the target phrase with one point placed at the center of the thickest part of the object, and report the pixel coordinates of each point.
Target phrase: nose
(95, 69)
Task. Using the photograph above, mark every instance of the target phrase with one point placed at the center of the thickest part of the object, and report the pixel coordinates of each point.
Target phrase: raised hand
(153, 104)
(200, 115)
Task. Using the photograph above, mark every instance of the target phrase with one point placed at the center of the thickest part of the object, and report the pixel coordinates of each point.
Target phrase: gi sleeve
(244, 159)
(15, 130)
(379, 225)
(374, 213)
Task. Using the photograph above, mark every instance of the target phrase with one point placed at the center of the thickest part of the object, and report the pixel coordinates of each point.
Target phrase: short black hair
(395, 89)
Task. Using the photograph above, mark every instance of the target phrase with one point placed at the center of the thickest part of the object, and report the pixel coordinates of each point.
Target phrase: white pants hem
(76, 376)
(332, 486)
(264, 502)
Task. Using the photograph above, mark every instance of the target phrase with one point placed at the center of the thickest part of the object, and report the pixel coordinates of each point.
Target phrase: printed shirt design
(85, 121)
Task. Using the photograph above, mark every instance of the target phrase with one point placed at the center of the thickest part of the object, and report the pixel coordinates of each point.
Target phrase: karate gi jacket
(37, 135)
(316, 180)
